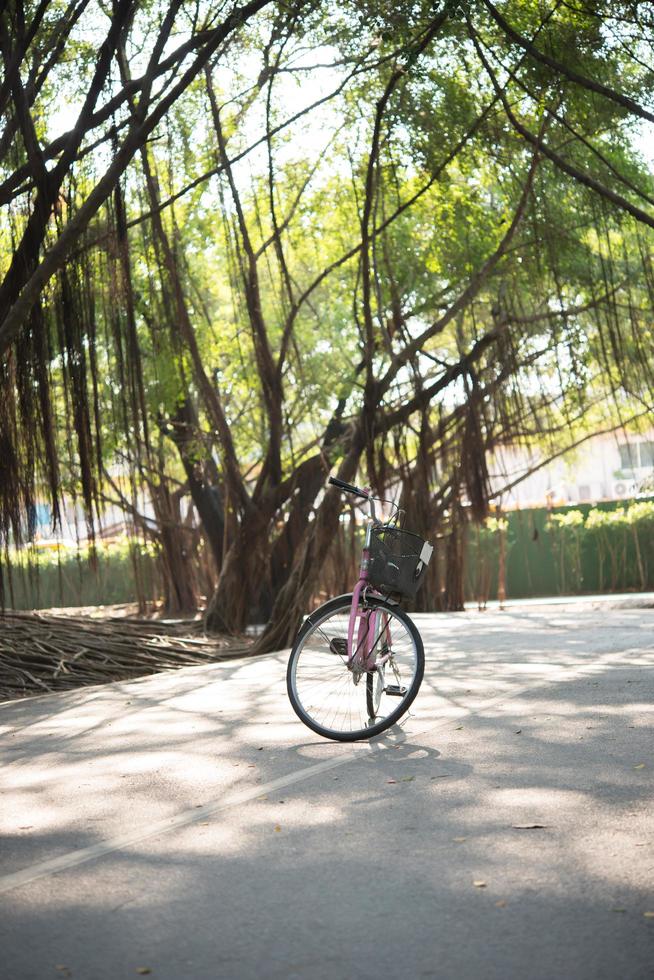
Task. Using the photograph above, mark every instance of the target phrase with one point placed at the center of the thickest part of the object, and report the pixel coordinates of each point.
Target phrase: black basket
(398, 563)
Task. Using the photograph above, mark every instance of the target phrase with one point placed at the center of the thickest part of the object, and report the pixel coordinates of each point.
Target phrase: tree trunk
(639, 560)
(292, 601)
(501, 571)
(243, 578)
(258, 563)
(203, 477)
(455, 563)
(177, 558)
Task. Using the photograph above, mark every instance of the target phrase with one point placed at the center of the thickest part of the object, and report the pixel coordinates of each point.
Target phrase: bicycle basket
(398, 560)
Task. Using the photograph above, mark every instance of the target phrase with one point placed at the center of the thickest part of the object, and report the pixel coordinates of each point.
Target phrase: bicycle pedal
(395, 690)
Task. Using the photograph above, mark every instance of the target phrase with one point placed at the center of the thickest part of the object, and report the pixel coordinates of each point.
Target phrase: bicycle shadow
(390, 750)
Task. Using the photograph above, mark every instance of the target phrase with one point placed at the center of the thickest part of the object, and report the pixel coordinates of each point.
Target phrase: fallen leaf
(407, 779)
(518, 731)
(277, 829)
(391, 780)
(443, 775)
(459, 840)
(648, 915)
(459, 728)
(501, 904)
(479, 884)
(529, 826)
(618, 910)
(143, 970)
(204, 823)
(641, 765)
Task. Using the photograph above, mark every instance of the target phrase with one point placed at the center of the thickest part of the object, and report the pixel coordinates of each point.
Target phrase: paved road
(187, 824)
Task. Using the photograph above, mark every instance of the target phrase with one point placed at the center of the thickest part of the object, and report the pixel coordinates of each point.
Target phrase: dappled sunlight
(602, 854)
(471, 759)
(534, 799)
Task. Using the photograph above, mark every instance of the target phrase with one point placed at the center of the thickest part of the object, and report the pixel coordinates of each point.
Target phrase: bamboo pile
(40, 654)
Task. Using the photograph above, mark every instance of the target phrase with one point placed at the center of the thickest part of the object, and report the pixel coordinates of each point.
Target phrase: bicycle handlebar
(348, 488)
(366, 495)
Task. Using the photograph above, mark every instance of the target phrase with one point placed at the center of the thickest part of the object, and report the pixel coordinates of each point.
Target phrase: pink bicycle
(358, 661)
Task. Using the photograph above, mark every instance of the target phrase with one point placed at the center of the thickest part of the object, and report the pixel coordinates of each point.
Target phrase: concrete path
(186, 825)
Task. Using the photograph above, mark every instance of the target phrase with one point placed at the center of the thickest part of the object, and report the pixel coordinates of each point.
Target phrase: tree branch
(135, 138)
(561, 69)
(536, 141)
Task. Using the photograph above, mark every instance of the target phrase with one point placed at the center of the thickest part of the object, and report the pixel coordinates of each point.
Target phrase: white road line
(186, 818)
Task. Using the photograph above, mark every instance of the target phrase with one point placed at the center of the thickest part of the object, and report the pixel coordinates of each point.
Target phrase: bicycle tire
(332, 617)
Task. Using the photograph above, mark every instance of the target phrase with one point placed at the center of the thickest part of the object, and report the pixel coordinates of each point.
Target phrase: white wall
(594, 471)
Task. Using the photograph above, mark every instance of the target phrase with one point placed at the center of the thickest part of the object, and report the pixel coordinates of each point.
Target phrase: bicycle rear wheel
(338, 702)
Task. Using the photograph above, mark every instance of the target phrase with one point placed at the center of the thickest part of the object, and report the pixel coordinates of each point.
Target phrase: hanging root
(46, 653)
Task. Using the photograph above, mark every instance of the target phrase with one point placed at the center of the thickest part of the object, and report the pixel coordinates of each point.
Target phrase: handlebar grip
(347, 487)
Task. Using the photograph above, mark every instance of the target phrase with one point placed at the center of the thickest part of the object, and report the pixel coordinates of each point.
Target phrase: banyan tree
(244, 246)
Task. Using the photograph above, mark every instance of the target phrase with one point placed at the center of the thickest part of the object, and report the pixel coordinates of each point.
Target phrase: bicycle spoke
(338, 697)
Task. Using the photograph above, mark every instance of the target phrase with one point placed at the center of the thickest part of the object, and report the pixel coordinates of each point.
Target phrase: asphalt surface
(186, 825)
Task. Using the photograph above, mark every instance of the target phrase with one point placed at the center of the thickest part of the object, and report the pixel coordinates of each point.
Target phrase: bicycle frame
(367, 637)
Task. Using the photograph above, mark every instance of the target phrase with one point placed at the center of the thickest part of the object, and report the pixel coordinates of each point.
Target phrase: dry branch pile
(40, 654)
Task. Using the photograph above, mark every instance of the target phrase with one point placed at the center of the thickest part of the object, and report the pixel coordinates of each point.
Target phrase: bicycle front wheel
(346, 704)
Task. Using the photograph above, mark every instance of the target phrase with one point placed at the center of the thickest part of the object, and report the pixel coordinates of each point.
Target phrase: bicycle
(358, 660)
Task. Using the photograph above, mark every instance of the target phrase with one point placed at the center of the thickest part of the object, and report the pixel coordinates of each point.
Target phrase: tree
(462, 259)
(42, 174)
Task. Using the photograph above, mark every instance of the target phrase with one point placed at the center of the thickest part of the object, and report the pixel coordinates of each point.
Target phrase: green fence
(587, 548)
(567, 551)
(42, 577)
